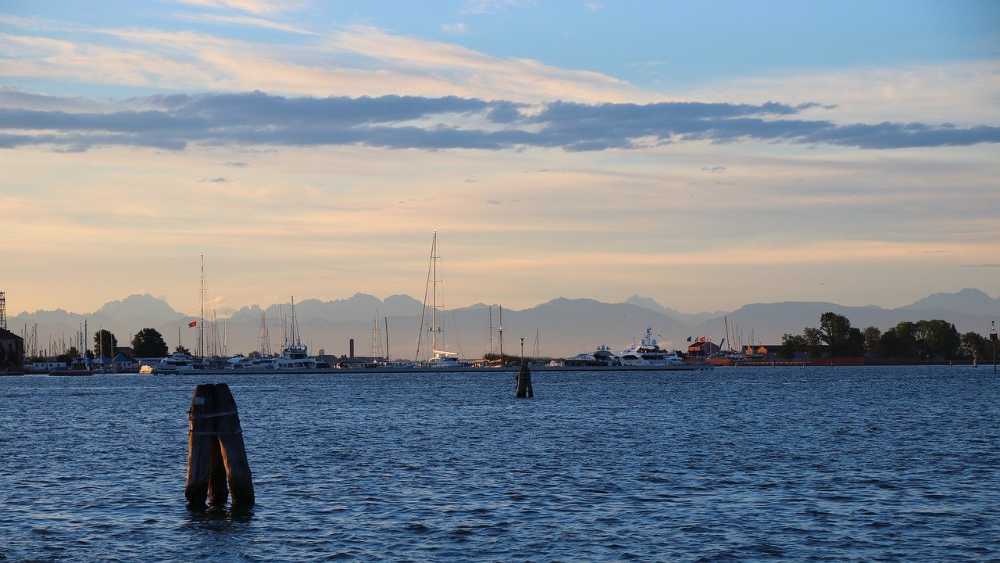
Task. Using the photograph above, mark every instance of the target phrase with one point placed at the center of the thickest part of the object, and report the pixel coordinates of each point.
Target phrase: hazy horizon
(226, 312)
(704, 155)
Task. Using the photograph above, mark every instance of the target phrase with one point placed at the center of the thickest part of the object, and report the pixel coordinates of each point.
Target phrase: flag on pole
(192, 324)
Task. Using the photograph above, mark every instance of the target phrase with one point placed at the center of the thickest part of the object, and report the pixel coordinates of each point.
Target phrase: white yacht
(295, 354)
(294, 357)
(649, 354)
(176, 363)
(442, 359)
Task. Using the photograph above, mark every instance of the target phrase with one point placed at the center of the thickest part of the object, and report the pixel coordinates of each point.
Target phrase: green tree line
(922, 340)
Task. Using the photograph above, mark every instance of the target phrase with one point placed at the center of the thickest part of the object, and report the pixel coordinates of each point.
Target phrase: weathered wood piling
(524, 389)
(217, 460)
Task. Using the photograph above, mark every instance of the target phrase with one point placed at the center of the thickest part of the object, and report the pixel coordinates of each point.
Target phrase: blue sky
(663, 148)
(651, 44)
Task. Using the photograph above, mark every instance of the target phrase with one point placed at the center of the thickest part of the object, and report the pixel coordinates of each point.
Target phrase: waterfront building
(703, 348)
(11, 350)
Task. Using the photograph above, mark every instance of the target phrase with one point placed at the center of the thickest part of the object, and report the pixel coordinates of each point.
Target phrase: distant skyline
(707, 155)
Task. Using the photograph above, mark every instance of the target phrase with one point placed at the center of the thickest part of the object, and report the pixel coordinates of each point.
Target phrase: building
(11, 351)
(124, 363)
(703, 348)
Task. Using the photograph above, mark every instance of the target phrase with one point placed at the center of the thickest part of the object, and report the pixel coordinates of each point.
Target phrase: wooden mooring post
(217, 461)
(524, 389)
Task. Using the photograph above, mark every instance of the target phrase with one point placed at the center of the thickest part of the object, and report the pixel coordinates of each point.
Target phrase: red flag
(192, 324)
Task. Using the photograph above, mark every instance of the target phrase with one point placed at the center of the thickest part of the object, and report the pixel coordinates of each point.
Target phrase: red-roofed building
(703, 348)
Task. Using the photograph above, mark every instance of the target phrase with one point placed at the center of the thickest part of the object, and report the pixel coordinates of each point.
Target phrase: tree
(836, 332)
(792, 344)
(899, 342)
(69, 355)
(149, 343)
(872, 336)
(105, 343)
(812, 337)
(182, 350)
(975, 346)
(937, 339)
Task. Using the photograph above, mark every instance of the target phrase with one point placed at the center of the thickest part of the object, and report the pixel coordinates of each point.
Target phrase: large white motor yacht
(176, 363)
(294, 357)
(649, 354)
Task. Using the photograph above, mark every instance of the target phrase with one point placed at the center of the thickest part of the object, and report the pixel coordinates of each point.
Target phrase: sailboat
(440, 357)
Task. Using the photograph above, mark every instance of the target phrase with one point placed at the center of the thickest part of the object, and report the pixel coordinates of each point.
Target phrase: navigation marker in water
(217, 459)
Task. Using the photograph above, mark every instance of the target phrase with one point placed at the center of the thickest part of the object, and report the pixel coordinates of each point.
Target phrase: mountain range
(558, 327)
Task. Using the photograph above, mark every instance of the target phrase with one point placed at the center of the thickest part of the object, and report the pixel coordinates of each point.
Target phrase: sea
(789, 463)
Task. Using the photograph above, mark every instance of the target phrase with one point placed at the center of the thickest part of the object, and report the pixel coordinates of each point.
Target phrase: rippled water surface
(790, 463)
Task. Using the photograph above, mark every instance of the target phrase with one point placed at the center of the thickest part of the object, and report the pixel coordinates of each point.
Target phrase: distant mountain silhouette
(563, 326)
(359, 307)
(654, 305)
(140, 308)
(968, 301)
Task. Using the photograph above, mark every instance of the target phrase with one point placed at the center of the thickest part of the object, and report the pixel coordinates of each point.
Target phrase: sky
(705, 154)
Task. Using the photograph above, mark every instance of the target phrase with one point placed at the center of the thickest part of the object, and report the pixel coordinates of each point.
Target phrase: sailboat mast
(387, 339)
(295, 328)
(434, 307)
(500, 330)
(201, 317)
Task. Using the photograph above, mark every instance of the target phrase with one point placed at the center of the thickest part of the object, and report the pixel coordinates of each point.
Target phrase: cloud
(351, 61)
(956, 91)
(251, 6)
(415, 122)
(490, 6)
(713, 169)
(455, 28)
(250, 21)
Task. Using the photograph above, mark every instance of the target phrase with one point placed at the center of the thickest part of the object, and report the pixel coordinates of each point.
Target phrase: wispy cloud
(458, 28)
(251, 6)
(251, 21)
(357, 60)
(490, 6)
(413, 122)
